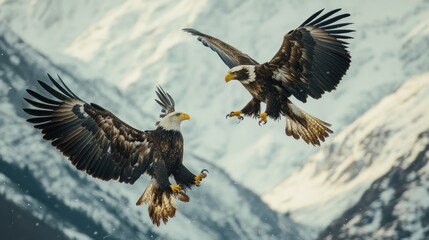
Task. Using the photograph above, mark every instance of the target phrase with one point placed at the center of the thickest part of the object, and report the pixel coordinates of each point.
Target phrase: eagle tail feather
(161, 203)
(300, 124)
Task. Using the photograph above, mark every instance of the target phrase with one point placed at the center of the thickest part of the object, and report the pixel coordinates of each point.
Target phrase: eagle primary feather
(231, 56)
(312, 60)
(99, 143)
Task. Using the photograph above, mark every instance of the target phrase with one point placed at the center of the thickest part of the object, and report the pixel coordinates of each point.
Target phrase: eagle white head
(243, 73)
(171, 121)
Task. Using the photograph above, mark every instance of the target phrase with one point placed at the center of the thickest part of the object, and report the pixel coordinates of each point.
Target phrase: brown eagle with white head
(311, 60)
(99, 143)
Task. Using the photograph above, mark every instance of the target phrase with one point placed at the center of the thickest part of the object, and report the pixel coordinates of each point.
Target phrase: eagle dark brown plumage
(99, 143)
(312, 60)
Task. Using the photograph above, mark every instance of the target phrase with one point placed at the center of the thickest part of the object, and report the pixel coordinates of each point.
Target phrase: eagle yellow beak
(230, 76)
(184, 116)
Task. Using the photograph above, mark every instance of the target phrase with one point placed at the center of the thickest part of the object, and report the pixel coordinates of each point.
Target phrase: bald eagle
(99, 143)
(311, 60)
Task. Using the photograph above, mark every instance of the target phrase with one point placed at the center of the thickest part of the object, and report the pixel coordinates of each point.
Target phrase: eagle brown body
(263, 92)
(99, 143)
(312, 60)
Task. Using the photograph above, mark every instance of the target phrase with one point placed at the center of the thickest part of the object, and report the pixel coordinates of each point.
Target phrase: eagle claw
(235, 114)
(175, 188)
(200, 177)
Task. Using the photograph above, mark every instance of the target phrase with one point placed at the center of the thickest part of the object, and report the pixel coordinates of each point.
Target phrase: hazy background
(368, 179)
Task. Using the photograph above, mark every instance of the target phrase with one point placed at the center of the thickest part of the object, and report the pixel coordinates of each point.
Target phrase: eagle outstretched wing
(312, 58)
(93, 139)
(230, 56)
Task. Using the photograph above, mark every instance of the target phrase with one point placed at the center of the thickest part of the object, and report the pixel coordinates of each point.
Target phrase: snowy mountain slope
(137, 44)
(395, 206)
(334, 179)
(38, 179)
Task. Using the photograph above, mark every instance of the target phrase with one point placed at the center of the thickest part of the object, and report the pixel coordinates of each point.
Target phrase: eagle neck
(168, 129)
(169, 125)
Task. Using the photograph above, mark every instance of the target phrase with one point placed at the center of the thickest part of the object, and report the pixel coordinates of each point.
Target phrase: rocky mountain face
(36, 180)
(372, 179)
(395, 206)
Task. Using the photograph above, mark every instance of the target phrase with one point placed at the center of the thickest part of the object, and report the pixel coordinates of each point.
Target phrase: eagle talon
(262, 118)
(175, 188)
(200, 177)
(235, 114)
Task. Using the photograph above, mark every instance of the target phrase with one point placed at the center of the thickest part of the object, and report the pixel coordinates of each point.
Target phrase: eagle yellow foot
(200, 177)
(175, 188)
(262, 118)
(235, 114)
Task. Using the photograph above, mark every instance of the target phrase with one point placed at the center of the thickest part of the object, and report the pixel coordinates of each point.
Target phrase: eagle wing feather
(230, 55)
(312, 59)
(93, 139)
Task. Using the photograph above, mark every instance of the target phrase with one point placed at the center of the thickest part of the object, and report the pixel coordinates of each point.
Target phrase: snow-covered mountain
(137, 44)
(374, 170)
(39, 181)
(395, 206)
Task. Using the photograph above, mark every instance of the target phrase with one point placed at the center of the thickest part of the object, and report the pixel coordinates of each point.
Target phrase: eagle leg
(235, 114)
(175, 188)
(263, 118)
(253, 108)
(272, 110)
(200, 177)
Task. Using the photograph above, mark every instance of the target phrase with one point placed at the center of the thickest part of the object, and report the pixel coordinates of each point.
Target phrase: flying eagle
(311, 60)
(99, 143)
